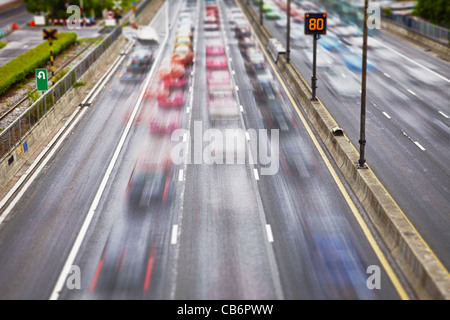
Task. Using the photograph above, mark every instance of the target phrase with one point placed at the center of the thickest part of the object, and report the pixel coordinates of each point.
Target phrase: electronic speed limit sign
(315, 23)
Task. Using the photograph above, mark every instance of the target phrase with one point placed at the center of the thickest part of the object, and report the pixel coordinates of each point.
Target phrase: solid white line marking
(180, 175)
(255, 171)
(386, 75)
(412, 92)
(419, 145)
(174, 237)
(269, 233)
(443, 114)
(39, 169)
(386, 115)
(87, 221)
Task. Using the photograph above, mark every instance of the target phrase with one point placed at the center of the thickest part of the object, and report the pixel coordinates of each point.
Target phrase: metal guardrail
(422, 27)
(11, 137)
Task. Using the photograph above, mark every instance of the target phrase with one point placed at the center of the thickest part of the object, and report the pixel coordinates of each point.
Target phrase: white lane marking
(386, 115)
(233, 72)
(255, 172)
(419, 145)
(174, 237)
(184, 137)
(269, 233)
(241, 108)
(444, 115)
(247, 135)
(412, 92)
(411, 60)
(343, 75)
(386, 75)
(237, 88)
(180, 175)
(188, 109)
(87, 221)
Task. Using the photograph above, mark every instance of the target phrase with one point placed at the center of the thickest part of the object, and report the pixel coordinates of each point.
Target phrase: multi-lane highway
(140, 201)
(407, 117)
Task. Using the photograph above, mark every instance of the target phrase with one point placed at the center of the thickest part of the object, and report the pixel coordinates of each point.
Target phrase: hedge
(20, 67)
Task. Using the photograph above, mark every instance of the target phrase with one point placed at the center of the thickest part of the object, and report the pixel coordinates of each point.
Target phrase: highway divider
(424, 272)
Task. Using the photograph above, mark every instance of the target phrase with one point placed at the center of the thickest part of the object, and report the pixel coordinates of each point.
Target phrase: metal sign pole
(314, 78)
(362, 139)
(288, 37)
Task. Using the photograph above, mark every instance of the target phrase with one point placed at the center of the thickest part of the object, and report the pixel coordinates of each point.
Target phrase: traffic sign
(41, 80)
(315, 23)
(50, 34)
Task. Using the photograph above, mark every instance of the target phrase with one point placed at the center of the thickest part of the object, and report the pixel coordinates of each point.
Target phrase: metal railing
(422, 27)
(12, 136)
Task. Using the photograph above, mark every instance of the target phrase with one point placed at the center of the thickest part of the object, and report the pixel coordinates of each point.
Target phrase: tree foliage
(435, 11)
(57, 9)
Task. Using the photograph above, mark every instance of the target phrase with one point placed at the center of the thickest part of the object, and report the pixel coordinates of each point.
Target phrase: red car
(218, 77)
(165, 121)
(216, 62)
(175, 98)
(183, 55)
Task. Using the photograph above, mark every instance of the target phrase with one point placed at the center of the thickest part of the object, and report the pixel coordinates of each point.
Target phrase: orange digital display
(315, 23)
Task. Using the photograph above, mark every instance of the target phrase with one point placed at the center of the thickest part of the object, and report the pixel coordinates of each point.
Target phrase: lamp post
(288, 38)
(362, 138)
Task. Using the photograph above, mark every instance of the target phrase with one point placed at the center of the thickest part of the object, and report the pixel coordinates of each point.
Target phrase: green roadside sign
(41, 80)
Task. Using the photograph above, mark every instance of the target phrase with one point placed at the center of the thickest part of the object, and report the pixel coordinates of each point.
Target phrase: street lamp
(362, 138)
(288, 38)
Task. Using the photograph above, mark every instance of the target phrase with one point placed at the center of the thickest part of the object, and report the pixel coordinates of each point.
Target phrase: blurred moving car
(173, 98)
(216, 62)
(165, 121)
(138, 64)
(147, 35)
(150, 179)
(182, 54)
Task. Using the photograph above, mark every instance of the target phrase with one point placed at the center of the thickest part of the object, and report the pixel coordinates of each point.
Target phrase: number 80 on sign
(315, 23)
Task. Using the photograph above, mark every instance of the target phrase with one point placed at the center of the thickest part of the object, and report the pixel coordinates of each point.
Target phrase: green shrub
(20, 67)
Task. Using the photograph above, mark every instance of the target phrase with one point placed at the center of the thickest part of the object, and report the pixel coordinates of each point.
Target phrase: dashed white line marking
(229, 59)
(241, 108)
(412, 92)
(386, 115)
(419, 145)
(255, 172)
(444, 115)
(184, 137)
(343, 75)
(188, 109)
(174, 237)
(233, 72)
(269, 233)
(247, 135)
(237, 88)
(180, 175)
(386, 75)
